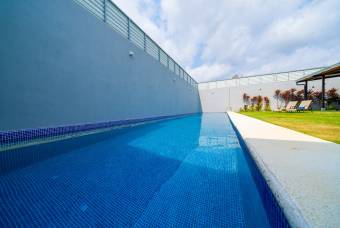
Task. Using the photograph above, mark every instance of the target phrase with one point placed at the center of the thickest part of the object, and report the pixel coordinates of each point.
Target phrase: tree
(310, 94)
(317, 96)
(246, 98)
(292, 95)
(332, 94)
(286, 96)
(300, 95)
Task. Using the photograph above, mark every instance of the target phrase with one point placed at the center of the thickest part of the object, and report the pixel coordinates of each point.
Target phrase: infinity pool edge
(288, 206)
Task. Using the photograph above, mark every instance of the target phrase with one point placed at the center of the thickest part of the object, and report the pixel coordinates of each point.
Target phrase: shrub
(331, 107)
(266, 104)
(292, 94)
(259, 103)
(246, 98)
(253, 102)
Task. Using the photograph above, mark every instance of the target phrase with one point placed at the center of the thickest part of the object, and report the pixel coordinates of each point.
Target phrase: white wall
(230, 98)
(61, 65)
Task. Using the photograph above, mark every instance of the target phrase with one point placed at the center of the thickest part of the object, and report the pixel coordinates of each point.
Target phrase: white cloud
(308, 26)
(215, 39)
(307, 57)
(209, 72)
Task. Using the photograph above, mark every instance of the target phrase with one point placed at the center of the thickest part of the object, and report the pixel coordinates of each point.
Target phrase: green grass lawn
(324, 125)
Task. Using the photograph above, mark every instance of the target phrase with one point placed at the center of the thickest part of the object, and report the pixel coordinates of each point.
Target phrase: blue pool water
(186, 172)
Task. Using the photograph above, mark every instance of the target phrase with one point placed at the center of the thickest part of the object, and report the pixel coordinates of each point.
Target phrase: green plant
(266, 104)
(259, 103)
(331, 107)
(245, 98)
(253, 102)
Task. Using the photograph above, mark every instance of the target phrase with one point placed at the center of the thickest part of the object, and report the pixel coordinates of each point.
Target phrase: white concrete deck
(302, 171)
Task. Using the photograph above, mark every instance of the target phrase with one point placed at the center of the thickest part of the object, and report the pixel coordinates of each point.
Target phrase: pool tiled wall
(25, 135)
(274, 211)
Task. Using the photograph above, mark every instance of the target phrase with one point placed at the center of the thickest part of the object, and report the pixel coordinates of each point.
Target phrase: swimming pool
(183, 172)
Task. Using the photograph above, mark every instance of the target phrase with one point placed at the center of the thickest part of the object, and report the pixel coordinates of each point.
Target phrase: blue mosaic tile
(188, 172)
(272, 207)
(17, 136)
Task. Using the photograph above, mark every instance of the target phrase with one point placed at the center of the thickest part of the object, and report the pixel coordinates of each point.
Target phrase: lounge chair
(291, 106)
(304, 105)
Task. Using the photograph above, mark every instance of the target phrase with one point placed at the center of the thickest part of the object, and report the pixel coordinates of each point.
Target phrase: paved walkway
(302, 171)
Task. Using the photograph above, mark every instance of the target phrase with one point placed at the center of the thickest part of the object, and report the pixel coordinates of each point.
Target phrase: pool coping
(288, 206)
(302, 171)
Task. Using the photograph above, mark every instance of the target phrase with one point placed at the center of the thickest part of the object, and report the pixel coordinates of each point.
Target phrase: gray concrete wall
(230, 98)
(60, 65)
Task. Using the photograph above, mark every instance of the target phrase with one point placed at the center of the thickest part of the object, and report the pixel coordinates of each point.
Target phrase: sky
(217, 39)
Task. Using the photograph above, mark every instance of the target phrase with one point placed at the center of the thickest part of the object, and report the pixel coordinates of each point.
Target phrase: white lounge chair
(304, 105)
(291, 106)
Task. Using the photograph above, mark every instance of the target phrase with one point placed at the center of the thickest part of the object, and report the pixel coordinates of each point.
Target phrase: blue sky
(216, 39)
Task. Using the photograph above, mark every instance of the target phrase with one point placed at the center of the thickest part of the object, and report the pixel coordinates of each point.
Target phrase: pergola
(328, 72)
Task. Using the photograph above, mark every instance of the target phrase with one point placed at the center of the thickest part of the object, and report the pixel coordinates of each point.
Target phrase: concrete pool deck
(302, 171)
